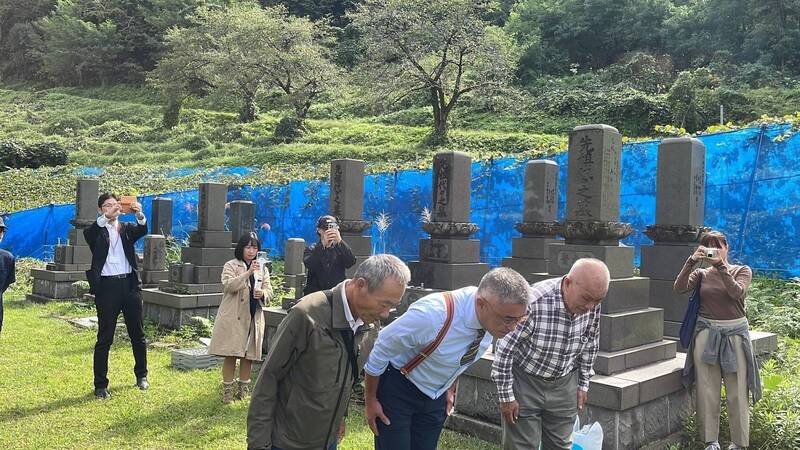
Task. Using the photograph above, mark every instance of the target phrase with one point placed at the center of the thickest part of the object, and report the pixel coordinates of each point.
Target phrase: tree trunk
(172, 112)
(249, 108)
(440, 113)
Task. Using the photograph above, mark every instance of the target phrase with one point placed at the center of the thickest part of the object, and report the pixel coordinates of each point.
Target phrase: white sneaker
(735, 447)
(713, 446)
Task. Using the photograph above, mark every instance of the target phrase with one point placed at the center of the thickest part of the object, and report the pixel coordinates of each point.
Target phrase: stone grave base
(175, 310)
(273, 316)
(194, 358)
(635, 408)
(49, 285)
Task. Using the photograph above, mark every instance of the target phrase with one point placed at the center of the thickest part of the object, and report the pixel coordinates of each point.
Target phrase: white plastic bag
(590, 437)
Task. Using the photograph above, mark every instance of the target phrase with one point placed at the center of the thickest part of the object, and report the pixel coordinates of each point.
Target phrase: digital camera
(712, 252)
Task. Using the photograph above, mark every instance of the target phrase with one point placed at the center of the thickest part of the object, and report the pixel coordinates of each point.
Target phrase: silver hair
(507, 286)
(378, 268)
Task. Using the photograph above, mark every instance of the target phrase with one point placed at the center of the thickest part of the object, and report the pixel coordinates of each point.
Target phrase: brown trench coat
(234, 333)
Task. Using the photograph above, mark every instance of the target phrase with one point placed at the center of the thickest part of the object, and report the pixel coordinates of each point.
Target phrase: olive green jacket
(304, 387)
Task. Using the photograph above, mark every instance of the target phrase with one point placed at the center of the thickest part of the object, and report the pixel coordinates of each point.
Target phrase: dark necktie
(472, 350)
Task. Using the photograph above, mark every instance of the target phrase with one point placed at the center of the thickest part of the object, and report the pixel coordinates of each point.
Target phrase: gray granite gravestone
(680, 204)
(242, 218)
(294, 271)
(539, 226)
(154, 261)
(638, 384)
(72, 260)
(194, 286)
(449, 259)
(347, 205)
(161, 217)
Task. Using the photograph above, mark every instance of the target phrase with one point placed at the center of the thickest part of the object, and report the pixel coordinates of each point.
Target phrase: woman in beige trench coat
(239, 326)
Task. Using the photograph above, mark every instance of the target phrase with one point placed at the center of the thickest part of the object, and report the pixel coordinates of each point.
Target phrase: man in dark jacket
(304, 387)
(7, 270)
(327, 260)
(114, 281)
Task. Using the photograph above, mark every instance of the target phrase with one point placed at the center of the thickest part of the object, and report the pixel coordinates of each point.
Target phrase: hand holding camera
(709, 254)
(331, 236)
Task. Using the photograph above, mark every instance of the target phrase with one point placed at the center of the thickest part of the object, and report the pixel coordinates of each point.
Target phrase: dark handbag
(690, 317)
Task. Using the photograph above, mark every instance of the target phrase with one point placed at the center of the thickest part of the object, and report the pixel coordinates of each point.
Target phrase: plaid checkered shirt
(550, 343)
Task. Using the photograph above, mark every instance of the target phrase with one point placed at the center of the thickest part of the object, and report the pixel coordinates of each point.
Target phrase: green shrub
(66, 126)
(17, 154)
(289, 128)
(194, 142)
(116, 131)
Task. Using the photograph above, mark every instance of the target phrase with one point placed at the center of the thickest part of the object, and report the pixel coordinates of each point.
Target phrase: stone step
(480, 429)
(630, 329)
(764, 342)
(664, 262)
(446, 276)
(608, 363)
(663, 296)
(206, 256)
(190, 288)
(634, 387)
(525, 266)
(180, 301)
(54, 275)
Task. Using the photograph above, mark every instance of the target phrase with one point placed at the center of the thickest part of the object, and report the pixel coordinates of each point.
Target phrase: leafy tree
(246, 50)
(20, 42)
(101, 41)
(583, 34)
(443, 50)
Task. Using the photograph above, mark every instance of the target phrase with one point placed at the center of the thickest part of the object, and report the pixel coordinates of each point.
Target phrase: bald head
(586, 285)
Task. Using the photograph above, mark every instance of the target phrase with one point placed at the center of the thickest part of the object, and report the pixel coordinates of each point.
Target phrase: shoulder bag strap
(431, 347)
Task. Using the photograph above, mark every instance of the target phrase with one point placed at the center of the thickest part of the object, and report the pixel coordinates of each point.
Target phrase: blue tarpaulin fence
(752, 195)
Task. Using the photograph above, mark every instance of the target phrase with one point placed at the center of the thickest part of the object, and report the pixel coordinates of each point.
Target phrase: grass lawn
(46, 394)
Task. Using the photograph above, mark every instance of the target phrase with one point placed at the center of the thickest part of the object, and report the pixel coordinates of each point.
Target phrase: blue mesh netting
(752, 195)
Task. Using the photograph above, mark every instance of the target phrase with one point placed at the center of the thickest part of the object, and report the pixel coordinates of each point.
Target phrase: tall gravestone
(70, 261)
(242, 218)
(637, 394)
(154, 261)
(161, 216)
(529, 253)
(680, 206)
(449, 259)
(294, 271)
(347, 205)
(194, 287)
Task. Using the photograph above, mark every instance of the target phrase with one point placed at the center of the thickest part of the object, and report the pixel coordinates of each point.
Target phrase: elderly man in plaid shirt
(542, 369)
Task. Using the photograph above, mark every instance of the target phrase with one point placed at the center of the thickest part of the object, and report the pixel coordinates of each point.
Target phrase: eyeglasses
(109, 205)
(507, 320)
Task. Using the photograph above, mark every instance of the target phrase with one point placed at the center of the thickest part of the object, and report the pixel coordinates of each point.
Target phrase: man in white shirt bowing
(114, 281)
(412, 369)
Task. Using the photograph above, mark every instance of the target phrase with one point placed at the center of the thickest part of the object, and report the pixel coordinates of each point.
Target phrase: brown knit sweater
(722, 289)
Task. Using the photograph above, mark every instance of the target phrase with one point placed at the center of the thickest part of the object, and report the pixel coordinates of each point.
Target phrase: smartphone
(125, 202)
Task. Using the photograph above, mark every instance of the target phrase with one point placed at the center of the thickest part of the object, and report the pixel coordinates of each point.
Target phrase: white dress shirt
(354, 323)
(116, 262)
(404, 338)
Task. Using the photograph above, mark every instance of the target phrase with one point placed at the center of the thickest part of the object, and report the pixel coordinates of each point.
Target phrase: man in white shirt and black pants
(412, 369)
(114, 281)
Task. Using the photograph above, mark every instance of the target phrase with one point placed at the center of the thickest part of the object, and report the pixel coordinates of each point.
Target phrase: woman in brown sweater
(721, 321)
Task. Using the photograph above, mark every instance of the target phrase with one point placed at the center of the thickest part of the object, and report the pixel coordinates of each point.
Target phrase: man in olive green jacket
(302, 393)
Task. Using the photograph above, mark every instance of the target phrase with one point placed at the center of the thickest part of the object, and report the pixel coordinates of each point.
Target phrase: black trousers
(416, 420)
(115, 295)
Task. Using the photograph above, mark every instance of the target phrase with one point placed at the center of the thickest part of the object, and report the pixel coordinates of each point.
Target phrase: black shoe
(102, 394)
(142, 383)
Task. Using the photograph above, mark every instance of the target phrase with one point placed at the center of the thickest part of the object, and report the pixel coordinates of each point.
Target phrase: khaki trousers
(709, 383)
(547, 411)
